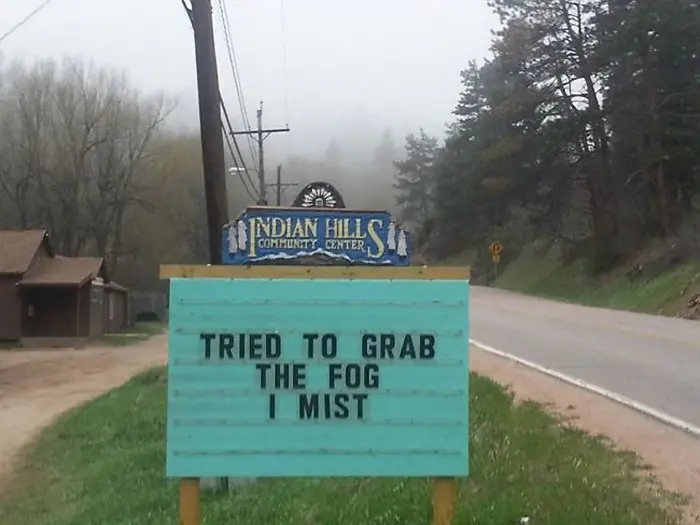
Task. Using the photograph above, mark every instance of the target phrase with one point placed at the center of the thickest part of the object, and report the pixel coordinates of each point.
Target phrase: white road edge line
(625, 401)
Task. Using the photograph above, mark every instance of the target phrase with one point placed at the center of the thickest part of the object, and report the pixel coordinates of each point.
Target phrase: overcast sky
(350, 66)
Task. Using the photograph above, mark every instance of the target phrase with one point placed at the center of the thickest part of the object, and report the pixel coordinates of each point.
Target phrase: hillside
(664, 278)
(674, 291)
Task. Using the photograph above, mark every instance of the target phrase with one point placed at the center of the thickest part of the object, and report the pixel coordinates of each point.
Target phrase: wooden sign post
(318, 371)
(190, 499)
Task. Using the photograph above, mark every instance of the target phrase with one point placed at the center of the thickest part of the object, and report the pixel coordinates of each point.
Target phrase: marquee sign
(266, 235)
(318, 377)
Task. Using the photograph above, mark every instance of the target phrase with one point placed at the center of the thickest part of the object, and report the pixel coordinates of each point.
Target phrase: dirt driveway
(36, 386)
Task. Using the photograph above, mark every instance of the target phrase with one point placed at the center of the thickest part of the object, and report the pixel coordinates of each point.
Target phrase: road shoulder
(673, 455)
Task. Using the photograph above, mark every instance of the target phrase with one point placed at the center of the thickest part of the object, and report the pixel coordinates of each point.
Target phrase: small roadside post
(495, 248)
(347, 366)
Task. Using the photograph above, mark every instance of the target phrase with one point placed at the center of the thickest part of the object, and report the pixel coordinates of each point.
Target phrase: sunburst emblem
(319, 198)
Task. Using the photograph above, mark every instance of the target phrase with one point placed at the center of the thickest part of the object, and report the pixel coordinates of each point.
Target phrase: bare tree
(75, 143)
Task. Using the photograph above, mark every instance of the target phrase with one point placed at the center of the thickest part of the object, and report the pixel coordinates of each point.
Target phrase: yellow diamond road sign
(496, 248)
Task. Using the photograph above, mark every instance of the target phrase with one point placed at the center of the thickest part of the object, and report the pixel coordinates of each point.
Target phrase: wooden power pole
(281, 186)
(261, 157)
(262, 134)
(213, 158)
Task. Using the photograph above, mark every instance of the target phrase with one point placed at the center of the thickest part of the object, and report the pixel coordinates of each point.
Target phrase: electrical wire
(235, 163)
(238, 169)
(26, 19)
(188, 10)
(227, 129)
(231, 138)
(285, 86)
(233, 62)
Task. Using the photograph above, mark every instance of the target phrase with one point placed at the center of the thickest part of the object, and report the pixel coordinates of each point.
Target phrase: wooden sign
(327, 377)
(263, 235)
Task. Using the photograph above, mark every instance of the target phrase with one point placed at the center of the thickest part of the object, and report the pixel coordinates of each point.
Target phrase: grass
(665, 294)
(103, 464)
(140, 332)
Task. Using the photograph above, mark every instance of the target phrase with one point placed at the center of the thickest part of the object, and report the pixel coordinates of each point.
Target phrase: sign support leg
(189, 501)
(444, 496)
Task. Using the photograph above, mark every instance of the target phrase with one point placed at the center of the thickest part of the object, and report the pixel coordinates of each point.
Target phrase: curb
(612, 396)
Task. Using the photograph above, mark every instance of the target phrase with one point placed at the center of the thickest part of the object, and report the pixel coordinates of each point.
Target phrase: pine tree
(415, 177)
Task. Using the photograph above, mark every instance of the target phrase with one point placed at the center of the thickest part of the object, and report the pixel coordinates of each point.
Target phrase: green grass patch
(139, 332)
(665, 294)
(104, 464)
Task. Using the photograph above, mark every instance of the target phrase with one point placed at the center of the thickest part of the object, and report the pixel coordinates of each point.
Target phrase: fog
(329, 69)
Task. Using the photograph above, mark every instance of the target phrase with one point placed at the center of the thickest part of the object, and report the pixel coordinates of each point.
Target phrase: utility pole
(281, 186)
(213, 163)
(261, 157)
(213, 159)
(262, 134)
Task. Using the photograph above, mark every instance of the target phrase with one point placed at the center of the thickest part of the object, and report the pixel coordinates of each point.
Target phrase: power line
(237, 79)
(230, 137)
(235, 162)
(188, 10)
(284, 63)
(233, 62)
(26, 19)
(228, 133)
(238, 168)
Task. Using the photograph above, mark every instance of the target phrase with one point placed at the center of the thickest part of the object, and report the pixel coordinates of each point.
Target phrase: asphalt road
(651, 359)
